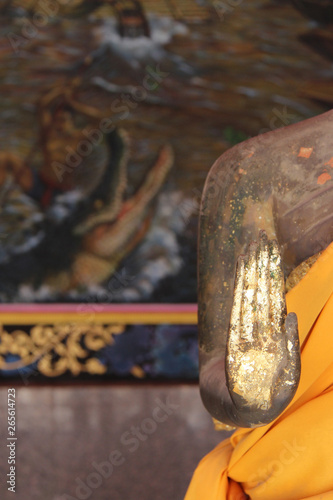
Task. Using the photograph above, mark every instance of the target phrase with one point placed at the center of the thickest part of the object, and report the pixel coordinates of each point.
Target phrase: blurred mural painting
(112, 113)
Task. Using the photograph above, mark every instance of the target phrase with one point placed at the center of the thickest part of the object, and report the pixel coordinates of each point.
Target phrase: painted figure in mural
(267, 215)
(279, 183)
(76, 196)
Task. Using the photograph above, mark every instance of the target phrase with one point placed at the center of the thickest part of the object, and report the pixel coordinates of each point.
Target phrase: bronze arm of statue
(267, 206)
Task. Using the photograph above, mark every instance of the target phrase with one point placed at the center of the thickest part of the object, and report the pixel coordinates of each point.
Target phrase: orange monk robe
(291, 458)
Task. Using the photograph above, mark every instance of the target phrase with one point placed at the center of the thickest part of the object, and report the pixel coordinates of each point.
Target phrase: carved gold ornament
(58, 348)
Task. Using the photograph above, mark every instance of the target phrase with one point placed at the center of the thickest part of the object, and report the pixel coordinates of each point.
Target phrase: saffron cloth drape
(291, 458)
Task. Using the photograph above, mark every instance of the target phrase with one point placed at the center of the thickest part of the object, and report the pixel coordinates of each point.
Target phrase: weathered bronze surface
(272, 194)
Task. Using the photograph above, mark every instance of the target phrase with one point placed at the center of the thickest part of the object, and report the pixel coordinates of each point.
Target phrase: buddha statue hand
(263, 355)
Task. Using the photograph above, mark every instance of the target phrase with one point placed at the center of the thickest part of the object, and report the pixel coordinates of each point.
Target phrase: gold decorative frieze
(58, 348)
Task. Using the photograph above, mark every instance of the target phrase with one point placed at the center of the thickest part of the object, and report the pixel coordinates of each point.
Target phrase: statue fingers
(263, 287)
(249, 295)
(277, 289)
(237, 301)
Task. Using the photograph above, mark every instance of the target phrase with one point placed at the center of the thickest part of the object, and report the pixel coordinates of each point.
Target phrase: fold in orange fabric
(291, 458)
